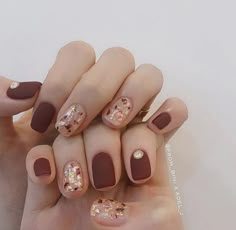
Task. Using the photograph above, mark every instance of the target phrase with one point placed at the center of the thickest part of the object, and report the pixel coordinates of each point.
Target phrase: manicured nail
(162, 120)
(119, 111)
(103, 171)
(43, 117)
(109, 212)
(42, 167)
(23, 90)
(71, 120)
(140, 165)
(73, 180)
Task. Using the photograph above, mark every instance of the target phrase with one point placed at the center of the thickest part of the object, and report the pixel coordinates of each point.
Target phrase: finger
(171, 115)
(154, 213)
(15, 97)
(72, 61)
(137, 91)
(95, 90)
(72, 173)
(139, 145)
(102, 146)
(42, 189)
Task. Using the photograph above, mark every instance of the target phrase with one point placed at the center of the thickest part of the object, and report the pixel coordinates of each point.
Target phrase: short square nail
(119, 111)
(71, 120)
(103, 171)
(162, 120)
(23, 90)
(43, 117)
(140, 165)
(42, 167)
(73, 179)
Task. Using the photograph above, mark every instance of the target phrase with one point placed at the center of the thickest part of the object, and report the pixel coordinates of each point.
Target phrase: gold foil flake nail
(108, 209)
(73, 180)
(71, 120)
(138, 154)
(119, 111)
(14, 85)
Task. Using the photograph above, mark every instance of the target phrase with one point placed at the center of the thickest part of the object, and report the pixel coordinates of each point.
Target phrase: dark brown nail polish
(162, 120)
(140, 165)
(103, 171)
(43, 117)
(23, 90)
(42, 167)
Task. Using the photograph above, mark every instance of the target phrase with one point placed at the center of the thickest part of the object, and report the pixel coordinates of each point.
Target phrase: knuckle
(153, 73)
(78, 47)
(122, 53)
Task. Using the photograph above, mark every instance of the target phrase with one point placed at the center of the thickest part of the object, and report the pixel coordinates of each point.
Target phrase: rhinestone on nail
(14, 85)
(138, 154)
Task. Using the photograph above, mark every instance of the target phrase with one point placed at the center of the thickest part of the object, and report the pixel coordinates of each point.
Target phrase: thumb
(15, 97)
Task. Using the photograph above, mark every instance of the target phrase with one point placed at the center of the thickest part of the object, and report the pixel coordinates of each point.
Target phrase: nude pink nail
(109, 212)
(71, 120)
(119, 111)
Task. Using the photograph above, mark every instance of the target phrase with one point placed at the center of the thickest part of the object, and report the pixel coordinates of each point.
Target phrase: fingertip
(40, 165)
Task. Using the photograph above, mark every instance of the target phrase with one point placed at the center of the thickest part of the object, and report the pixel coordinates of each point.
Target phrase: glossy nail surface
(23, 90)
(119, 111)
(140, 165)
(162, 120)
(103, 171)
(71, 120)
(109, 212)
(73, 180)
(43, 117)
(42, 167)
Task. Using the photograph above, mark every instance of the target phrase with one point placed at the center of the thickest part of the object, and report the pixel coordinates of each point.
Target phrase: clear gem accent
(138, 154)
(14, 85)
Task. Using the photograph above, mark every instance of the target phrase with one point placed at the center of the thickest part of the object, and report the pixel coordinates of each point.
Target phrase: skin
(16, 140)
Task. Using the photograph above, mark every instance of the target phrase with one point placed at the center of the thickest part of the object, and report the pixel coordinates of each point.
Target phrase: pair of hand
(102, 143)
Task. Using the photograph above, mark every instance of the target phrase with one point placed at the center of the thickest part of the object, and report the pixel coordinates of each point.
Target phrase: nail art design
(109, 210)
(119, 111)
(140, 165)
(23, 90)
(73, 180)
(71, 120)
(14, 85)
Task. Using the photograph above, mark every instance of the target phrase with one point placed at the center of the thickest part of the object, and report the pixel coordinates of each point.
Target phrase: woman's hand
(128, 173)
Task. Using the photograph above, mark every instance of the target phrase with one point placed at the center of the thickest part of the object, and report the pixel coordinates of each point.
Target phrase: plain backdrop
(191, 41)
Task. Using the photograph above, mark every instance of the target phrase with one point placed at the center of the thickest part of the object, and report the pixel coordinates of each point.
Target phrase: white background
(192, 41)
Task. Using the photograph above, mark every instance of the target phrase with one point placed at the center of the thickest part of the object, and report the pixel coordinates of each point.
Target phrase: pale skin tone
(47, 203)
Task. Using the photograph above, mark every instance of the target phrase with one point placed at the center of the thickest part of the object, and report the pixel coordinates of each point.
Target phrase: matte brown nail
(43, 117)
(23, 90)
(140, 165)
(162, 120)
(42, 167)
(103, 171)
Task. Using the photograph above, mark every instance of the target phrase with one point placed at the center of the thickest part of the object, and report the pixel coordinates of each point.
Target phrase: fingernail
(109, 212)
(71, 120)
(140, 165)
(42, 167)
(43, 117)
(103, 171)
(119, 111)
(162, 120)
(73, 180)
(23, 90)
